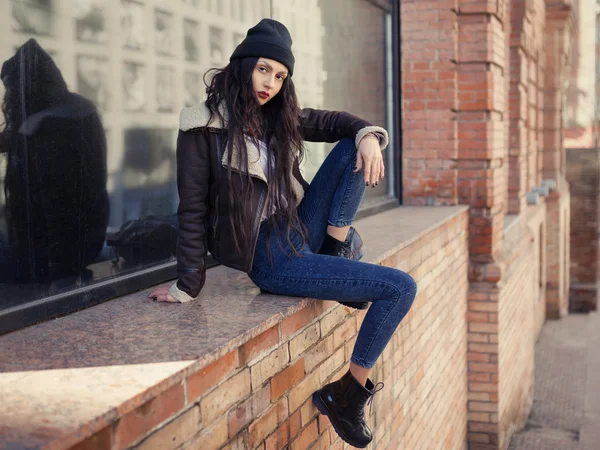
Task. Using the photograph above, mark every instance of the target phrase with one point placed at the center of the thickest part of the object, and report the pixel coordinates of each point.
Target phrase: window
(93, 162)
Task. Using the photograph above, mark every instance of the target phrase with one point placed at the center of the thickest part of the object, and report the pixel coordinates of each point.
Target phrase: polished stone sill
(63, 380)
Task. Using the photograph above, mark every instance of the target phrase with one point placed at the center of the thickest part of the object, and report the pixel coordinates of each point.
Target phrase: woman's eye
(262, 69)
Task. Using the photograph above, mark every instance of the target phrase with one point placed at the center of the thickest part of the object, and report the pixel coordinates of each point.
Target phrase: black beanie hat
(269, 39)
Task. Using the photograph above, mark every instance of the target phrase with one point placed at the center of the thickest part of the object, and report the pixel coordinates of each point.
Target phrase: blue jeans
(333, 198)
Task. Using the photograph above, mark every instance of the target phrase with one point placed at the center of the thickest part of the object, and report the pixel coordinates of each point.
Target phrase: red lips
(264, 95)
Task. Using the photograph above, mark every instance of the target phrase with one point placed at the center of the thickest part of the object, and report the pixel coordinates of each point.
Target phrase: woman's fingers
(359, 162)
(161, 294)
(161, 291)
(368, 168)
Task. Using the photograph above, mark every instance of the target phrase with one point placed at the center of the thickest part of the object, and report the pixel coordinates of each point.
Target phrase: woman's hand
(369, 157)
(161, 294)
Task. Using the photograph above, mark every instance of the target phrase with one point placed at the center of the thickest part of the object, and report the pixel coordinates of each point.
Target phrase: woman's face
(267, 79)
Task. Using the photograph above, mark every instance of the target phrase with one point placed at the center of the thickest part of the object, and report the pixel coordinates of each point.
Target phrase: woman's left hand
(369, 158)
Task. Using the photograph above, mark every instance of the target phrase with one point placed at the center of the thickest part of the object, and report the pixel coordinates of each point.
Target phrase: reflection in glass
(135, 89)
(90, 20)
(190, 39)
(165, 88)
(92, 73)
(56, 203)
(134, 97)
(163, 32)
(132, 22)
(193, 88)
(33, 16)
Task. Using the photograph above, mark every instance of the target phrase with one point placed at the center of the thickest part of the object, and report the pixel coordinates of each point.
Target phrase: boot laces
(377, 388)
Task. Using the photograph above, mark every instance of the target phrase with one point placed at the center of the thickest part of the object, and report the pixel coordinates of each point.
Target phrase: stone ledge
(65, 380)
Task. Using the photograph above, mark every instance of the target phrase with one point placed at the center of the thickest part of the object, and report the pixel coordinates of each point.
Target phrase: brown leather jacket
(203, 189)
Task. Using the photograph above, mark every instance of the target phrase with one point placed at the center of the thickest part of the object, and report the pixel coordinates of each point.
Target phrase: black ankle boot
(343, 402)
(351, 248)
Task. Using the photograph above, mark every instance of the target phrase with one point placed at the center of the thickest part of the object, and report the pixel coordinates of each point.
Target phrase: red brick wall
(500, 116)
(583, 174)
(429, 101)
(525, 100)
(259, 395)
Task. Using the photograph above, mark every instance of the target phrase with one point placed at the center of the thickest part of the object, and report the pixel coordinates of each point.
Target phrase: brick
(234, 390)
(295, 423)
(331, 364)
(212, 438)
(479, 357)
(208, 377)
(307, 411)
(478, 417)
(477, 316)
(102, 440)
(303, 390)
(478, 396)
(240, 442)
(483, 306)
(483, 348)
(307, 436)
(283, 381)
(478, 337)
(480, 367)
(477, 427)
(134, 425)
(249, 409)
(272, 363)
(476, 327)
(324, 423)
(483, 387)
(482, 407)
(296, 321)
(267, 423)
(479, 437)
(280, 438)
(344, 332)
(304, 340)
(322, 306)
(176, 433)
(333, 319)
(259, 344)
(318, 353)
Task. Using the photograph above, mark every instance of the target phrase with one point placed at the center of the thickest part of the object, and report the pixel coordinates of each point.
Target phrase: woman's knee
(346, 147)
(406, 286)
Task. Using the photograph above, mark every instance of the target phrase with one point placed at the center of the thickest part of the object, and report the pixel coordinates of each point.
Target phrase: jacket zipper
(216, 219)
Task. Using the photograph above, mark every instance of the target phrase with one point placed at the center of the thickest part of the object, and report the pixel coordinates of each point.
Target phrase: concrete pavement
(566, 406)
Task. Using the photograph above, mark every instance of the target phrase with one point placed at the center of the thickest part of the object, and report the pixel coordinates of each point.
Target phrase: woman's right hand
(161, 294)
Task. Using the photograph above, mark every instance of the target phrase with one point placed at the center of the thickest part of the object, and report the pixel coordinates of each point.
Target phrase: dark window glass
(90, 104)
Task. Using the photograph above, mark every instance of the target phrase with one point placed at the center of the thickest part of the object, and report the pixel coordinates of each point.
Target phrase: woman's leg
(328, 277)
(334, 194)
(331, 277)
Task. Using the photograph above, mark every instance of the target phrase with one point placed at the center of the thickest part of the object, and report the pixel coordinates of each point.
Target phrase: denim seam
(319, 281)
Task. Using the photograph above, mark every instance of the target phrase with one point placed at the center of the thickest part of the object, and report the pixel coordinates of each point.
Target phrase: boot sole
(325, 411)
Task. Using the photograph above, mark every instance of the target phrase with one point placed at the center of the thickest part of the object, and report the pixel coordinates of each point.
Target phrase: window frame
(54, 306)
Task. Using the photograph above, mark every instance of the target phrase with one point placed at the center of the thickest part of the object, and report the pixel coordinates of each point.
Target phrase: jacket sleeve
(331, 126)
(193, 171)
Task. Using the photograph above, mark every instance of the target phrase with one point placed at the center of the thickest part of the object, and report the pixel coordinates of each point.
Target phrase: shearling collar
(199, 117)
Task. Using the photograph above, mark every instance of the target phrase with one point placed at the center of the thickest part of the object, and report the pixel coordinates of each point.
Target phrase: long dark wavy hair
(231, 99)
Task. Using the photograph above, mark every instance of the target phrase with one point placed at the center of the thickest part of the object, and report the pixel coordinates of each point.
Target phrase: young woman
(242, 198)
